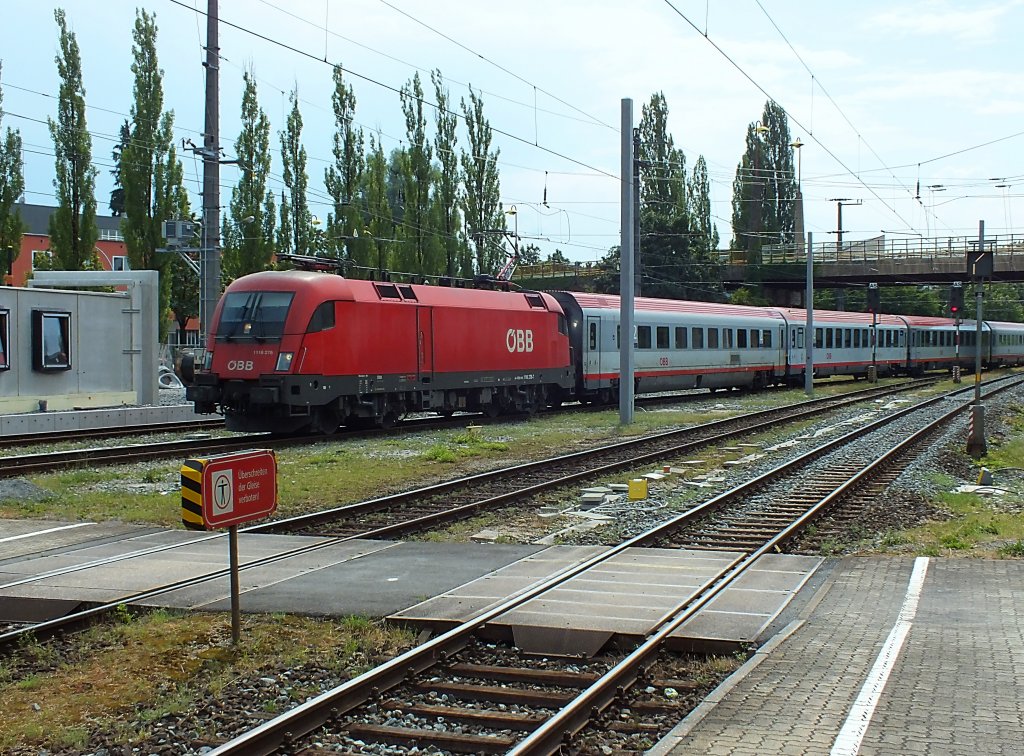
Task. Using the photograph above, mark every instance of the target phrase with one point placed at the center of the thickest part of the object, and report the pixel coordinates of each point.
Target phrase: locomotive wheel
(388, 421)
(327, 420)
(492, 410)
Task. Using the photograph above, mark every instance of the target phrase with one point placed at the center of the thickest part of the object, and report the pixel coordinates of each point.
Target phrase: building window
(41, 259)
(5, 339)
(51, 340)
(119, 262)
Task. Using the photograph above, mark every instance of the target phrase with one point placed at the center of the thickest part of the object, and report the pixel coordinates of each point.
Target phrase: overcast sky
(887, 96)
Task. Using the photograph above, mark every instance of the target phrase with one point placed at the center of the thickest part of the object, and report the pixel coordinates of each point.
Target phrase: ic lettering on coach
(518, 340)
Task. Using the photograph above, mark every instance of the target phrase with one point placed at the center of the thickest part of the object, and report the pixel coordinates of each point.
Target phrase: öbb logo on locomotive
(240, 365)
(519, 340)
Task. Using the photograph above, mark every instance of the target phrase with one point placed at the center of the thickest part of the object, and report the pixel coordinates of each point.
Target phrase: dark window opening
(680, 337)
(323, 318)
(593, 335)
(712, 338)
(387, 291)
(643, 337)
(662, 335)
(5, 337)
(766, 338)
(698, 338)
(408, 293)
(535, 300)
(51, 340)
(741, 338)
(253, 315)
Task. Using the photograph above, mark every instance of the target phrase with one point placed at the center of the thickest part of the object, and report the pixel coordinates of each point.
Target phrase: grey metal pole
(626, 300)
(638, 268)
(809, 341)
(236, 602)
(978, 286)
(209, 256)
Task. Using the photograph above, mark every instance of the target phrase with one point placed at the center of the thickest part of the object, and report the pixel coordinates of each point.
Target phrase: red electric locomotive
(296, 350)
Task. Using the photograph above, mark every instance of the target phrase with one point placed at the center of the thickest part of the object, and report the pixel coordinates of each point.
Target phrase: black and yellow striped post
(192, 493)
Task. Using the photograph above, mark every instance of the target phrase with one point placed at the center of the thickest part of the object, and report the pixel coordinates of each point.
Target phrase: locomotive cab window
(254, 315)
(51, 340)
(563, 327)
(5, 339)
(322, 319)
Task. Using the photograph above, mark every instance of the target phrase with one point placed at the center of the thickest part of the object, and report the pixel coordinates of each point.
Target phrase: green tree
(343, 179)
(149, 169)
(764, 190)
(481, 203)
(117, 193)
(447, 196)
(184, 293)
(421, 249)
(248, 232)
(73, 230)
(379, 226)
(704, 238)
(296, 220)
(12, 186)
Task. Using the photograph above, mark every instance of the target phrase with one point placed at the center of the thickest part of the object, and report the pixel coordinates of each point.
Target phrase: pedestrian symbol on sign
(223, 492)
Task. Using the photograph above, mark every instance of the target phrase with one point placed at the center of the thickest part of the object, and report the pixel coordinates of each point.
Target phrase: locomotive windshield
(253, 315)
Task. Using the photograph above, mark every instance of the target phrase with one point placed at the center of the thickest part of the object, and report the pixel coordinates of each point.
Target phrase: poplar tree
(376, 255)
(73, 230)
(422, 246)
(447, 192)
(343, 179)
(698, 196)
(149, 169)
(12, 186)
(764, 190)
(296, 220)
(248, 232)
(481, 202)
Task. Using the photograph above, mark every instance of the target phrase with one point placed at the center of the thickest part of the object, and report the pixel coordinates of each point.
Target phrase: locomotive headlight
(284, 361)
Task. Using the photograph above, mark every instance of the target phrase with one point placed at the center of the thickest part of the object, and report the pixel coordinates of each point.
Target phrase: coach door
(424, 344)
(592, 350)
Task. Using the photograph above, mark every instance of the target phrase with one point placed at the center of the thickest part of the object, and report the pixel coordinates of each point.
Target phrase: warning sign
(229, 489)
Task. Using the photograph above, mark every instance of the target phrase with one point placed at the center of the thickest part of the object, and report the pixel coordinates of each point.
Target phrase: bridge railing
(881, 249)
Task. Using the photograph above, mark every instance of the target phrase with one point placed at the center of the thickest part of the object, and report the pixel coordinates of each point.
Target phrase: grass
(338, 472)
(144, 668)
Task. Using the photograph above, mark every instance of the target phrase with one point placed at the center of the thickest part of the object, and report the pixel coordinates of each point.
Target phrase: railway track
(428, 508)
(43, 462)
(457, 692)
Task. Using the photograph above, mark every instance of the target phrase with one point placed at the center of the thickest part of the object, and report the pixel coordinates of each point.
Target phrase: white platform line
(44, 532)
(850, 737)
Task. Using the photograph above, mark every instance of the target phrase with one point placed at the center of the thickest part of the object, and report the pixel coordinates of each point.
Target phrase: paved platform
(626, 595)
(87, 419)
(371, 578)
(890, 656)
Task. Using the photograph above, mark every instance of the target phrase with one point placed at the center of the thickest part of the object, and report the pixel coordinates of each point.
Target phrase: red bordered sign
(239, 488)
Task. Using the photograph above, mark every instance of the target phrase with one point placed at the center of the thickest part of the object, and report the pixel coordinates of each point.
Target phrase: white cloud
(940, 18)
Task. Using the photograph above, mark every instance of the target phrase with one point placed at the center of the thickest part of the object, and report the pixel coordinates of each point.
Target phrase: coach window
(766, 338)
(643, 337)
(712, 338)
(680, 337)
(727, 338)
(755, 338)
(51, 340)
(819, 338)
(828, 338)
(698, 338)
(849, 338)
(5, 339)
(741, 338)
(662, 337)
(593, 335)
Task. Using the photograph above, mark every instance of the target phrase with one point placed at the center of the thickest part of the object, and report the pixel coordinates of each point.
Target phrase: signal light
(956, 298)
(874, 298)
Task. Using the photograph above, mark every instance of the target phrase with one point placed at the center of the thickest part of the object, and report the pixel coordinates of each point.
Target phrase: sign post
(223, 492)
